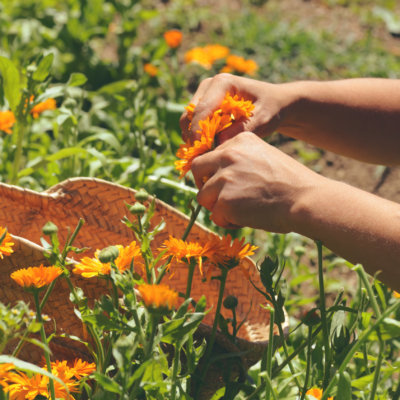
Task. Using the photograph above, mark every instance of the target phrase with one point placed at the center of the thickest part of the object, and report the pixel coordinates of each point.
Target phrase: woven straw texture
(102, 205)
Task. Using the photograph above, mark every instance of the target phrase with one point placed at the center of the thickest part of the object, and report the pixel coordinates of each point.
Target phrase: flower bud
(141, 195)
(108, 254)
(137, 209)
(230, 302)
(311, 317)
(49, 228)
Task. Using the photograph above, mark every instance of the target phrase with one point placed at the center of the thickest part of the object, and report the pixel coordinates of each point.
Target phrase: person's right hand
(269, 101)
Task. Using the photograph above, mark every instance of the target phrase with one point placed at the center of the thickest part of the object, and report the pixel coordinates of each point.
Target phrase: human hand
(251, 183)
(268, 99)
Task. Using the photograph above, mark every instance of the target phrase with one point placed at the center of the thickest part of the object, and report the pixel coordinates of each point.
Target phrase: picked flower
(36, 277)
(158, 296)
(233, 108)
(6, 243)
(91, 267)
(317, 393)
(228, 253)
(7, 120)
(185, 252)
(173, 38)
(49, 104)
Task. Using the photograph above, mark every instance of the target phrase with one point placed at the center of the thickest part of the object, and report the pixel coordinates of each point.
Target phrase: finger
(220, 218)
(184, 120)
(230, 132)
(211, 99)
(209, 193)
(203, 167)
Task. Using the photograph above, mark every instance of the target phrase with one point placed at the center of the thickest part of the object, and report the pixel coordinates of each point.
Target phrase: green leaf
(11, 82)
(388, 329)
(179, 329)
(344, 387)
(107, 383)
(63, 153)
(43, 69)
(105, 137)
(76, 79)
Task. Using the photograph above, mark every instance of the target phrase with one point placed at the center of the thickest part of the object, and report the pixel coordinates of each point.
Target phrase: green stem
(361, 340)
(308, 365)
(71, 240)
(191, 267)
(192, 220)
(175, 371)
(210, 344)
(19, 132)
(44, 340)
(270, 347)
(363, 276)
(324, 321)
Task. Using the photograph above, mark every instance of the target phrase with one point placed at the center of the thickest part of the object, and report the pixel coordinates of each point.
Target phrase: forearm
(354, 224)
(359, 118)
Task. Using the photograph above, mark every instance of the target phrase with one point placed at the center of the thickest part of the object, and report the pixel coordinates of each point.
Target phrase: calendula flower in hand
(36, 277)
(6, 243)
(49, 104)
(233, 108)
(173, 38)
(7, 120)
(159, 297)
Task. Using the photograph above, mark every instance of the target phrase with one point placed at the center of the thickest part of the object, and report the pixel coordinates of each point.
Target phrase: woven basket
(103, 205)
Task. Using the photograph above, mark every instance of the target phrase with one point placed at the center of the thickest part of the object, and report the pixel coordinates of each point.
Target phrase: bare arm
(251, 183)
(359, 118)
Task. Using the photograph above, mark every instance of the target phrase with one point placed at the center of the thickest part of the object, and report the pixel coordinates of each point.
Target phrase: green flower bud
(108, 254)
(137, 209)
(311, 317)
(49, 228)
(230, 302)
(141, 195)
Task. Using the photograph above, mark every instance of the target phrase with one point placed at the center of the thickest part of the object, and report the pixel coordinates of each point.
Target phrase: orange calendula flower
(158, 296)
(233, 108)
(396, 294)
(7, 120)
(91, 267)
(184, 252)
(6, 243)
(49, 104)
(206, 56)
(36, 276)
(317, 393)
(150, 69)
(173, 38)
(22, 387)
(228, 253)
(240, 64)
(5, 371)
(78, 370)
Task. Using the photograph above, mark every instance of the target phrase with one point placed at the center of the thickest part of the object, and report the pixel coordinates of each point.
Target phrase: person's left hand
(247, 182)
